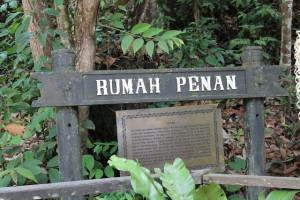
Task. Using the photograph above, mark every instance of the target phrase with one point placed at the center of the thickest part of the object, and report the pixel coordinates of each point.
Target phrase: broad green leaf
(117, 24)
(102, 3)
(116, 16)
(92, 173)
(21, 179)
(16, 140)
(139, 28)
(19, 81)
(43, 23)
(12, 17)
(88, 144)
(220, 57)
(61, 33)
(59, 2)
(150, 48)
(151, 32)
(141, 179)
(164, 46)
(3, 7)
(113, 150)
(50, 32)
(88, 124)
(97, 149)
(14, 26)
(3, 56)
(88, 161)
(26, 173)
(123, 8)
(209, 192)
(43, 39)
(232, 188)
(53, 162)
(5, 181)
(128, 196)
(41, 178)
(240, 162)
(50, 11)
(126, 42)
(171, 44)
(282, 194)
(170, 34)
(32, 165)
(54, 175)
(99, 173)
(178, 180)
(178, 42)
(15, 107)
(235, 167)
(109, 172)
(14, 176)
(261, 195)
(13, 4)
(6, 116)
(105, 148)
(4, 32)
(22, 41)
(137, 44)
(3, 173)
(212, 60)
(48, 145)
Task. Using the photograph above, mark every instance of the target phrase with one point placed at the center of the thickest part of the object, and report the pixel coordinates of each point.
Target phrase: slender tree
(85, 26)
(64, 25)
(37, 48)
(286, 35)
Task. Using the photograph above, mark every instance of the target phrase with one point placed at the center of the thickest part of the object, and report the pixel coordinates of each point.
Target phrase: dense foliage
(174, 39)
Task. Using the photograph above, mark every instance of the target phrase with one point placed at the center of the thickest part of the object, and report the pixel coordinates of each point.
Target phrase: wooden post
(68, 138)
(254, 129)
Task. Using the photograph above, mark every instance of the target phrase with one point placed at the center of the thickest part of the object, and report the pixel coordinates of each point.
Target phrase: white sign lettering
(132, 86)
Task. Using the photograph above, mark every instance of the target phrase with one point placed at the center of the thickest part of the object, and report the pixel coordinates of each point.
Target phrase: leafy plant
(176, 179)
(238, 164)
(278, 195)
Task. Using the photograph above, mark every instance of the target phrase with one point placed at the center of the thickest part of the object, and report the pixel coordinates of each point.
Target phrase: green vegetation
(174, 39)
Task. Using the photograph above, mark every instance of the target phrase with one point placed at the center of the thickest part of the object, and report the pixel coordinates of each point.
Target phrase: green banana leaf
(210, 192)
(282, 194)
(141, 179)
(177, 180)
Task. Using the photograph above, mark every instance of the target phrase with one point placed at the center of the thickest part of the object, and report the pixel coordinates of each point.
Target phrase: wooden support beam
(253, 180)
(77, 188)
(254, 127)
(67, 126)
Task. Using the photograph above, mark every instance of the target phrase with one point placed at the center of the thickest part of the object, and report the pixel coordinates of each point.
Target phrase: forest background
(137, 34)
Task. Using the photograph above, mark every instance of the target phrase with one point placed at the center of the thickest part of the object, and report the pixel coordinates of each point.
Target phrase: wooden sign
(69, 88)
(156, 136)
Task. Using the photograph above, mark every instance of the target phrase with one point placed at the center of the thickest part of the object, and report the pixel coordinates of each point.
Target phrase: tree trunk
(196, 11)
(63, 24)
(85, 25)
(144, 12)
(37, 48)
(286, 35)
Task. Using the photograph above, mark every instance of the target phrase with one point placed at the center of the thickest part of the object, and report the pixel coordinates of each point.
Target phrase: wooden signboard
(66, 89)
(156, 136)
(72, 88)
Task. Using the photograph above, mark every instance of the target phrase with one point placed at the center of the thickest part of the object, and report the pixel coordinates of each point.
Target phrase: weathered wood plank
(75, 188)
(254, 126)
(253, 180)
(136, 86)
(67, 126)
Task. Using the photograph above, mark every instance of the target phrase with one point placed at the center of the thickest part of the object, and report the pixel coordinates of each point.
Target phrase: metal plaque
(73, 88)
(156, 136)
